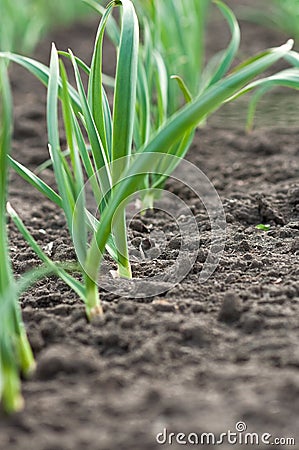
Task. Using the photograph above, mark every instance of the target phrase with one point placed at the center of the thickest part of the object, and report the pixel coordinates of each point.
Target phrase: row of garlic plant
(124, 142)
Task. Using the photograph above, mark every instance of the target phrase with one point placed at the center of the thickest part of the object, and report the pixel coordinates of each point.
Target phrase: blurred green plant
(15, 352)
(280, 15)
(24, 22)
(177, 30)
(16, 357)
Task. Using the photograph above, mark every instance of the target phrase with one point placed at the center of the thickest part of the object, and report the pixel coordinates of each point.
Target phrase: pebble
(63, 359)
(172, 325)
(127, 323)
(137, 225)
(231, 308)
(252, 323)
(244, 246)
(285, 233)
(51, 330)
(36, 340)
(163, 306)
(295, 246)
(175, 243)
(197, 334)
(197, 308)
(126, 308)
(293, 195)
(256, 264)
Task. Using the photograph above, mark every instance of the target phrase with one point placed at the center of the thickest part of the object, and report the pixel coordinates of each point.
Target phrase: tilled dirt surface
(196, 358)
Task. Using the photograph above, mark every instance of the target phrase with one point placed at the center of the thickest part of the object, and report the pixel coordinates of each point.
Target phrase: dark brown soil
(199, 358)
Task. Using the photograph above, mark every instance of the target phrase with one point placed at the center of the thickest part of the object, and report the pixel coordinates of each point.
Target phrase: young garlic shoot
(15, 353)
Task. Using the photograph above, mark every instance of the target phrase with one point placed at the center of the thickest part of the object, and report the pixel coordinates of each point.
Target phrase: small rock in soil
(244, 246)
(242, 357)
(137, 225)
(293, 195)
(163, 306)
(285, 233)
(172, 324)
(175, 243)
(251, 323)
(35, 339)
(198, 308)
(255, 264)
(63, 359)
(77, 314)
(126, 308)
(127, 323)
(56, 445)
(290, 389)
(267, 212)
(231, 308)
(51, 330)
(197, 334)
(295, 246)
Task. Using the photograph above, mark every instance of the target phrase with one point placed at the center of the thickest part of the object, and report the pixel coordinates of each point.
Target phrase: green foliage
(15, 352)
(286, 16)
(263, 227)
(16, 356)
(280, 15)
(171, 68)
(9, 379)
(23, 22)
(176, 29)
